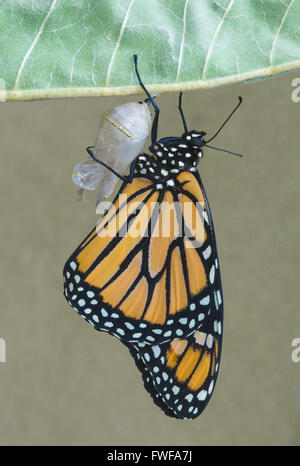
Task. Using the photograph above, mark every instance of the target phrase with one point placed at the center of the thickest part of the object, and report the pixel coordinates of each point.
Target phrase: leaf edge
(60, 93)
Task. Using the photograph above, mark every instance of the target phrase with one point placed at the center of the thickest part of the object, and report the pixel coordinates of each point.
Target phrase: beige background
(66, 384)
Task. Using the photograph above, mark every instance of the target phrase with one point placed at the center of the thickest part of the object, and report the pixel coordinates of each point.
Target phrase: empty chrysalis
(122, 134)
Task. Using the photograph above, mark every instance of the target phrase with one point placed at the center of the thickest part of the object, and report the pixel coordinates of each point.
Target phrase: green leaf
(71, 48)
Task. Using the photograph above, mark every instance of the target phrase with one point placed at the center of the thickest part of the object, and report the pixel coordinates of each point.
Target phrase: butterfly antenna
(181, 112)
(224, 150)
(151, 99)
(227, 119)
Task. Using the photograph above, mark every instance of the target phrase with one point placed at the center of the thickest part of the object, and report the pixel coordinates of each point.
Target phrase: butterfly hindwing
(148, 381)
(180, 375)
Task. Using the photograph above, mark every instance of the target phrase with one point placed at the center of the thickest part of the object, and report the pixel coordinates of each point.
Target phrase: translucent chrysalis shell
(122, 134)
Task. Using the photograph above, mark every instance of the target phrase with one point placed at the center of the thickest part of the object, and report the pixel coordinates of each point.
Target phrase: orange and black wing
(146, 272)
(181, 375)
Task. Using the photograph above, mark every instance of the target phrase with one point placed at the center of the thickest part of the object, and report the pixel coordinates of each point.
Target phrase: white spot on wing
(207, 252)
(212, 275)
(202, 395)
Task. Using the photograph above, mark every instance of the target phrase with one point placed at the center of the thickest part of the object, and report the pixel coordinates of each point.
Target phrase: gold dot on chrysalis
(105, 196)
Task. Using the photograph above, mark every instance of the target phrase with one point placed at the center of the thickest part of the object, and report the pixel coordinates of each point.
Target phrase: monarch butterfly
(122, 134)
(161, 295)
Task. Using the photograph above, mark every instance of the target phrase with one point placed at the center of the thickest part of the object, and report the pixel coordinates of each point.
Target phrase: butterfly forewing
(145, 272)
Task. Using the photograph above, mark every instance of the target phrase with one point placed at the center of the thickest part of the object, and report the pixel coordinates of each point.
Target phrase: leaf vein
(278, 32)
(123, 26)
(214, 38)
(34, 42)
(74, 59)
(182, 40)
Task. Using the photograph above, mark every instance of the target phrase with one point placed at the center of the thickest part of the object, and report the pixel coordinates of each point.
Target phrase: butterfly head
(176, 154)
(194, 139)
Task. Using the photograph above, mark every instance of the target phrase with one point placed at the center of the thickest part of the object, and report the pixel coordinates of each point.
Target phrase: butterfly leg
(127, 178)
(90, 152)
(155, 106)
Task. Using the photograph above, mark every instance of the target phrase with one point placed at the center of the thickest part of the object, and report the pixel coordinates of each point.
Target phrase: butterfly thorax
(171, 156)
